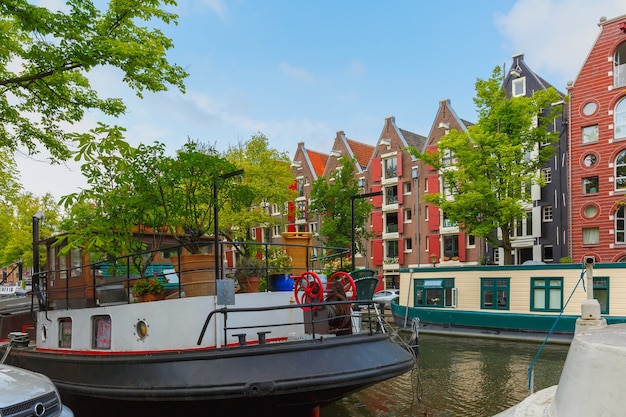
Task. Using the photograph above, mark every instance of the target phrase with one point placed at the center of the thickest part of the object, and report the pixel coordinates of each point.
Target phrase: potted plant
(249, 271)
(279, 264)
(148, 289)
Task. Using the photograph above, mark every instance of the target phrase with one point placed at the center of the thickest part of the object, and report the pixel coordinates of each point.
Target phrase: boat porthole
(44, 333)
(141, 329)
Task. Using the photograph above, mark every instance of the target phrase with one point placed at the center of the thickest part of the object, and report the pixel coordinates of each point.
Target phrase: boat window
(65, 332)
(494, 293)
(434, 293)
(601, 293)
(546, 294)
(101, 332)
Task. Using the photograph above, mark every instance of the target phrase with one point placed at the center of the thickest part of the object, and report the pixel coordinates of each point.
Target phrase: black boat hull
(288, 378)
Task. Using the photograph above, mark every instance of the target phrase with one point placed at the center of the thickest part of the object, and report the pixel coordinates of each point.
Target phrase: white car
(26, 393)
(386, 296)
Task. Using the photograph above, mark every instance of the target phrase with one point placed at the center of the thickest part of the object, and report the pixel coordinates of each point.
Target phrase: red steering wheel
(308, 289)
(349, 287)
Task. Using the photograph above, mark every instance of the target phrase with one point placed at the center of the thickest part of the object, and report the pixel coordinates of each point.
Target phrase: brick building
(598, 148)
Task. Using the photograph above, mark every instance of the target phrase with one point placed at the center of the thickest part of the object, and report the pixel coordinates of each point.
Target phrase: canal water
(458, 377)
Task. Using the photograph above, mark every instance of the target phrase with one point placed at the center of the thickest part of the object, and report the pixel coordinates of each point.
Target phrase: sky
(300, 71)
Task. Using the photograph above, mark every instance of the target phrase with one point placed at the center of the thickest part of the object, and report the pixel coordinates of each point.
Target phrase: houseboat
(527, 301)
(202, 347)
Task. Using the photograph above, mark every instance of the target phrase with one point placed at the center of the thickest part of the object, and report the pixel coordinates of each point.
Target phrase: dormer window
(619, 60)
(519, 87)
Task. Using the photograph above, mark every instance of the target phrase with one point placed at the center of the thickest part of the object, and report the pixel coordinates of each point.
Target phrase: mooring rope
(532, 364)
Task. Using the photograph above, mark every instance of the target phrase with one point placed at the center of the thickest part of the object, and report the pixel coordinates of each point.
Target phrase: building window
(619, 116)
(620, 228)
(77, 261)
(524, 225)
(408, 244)
(406, 187)
(300, 185)
(590, 160)
(408, 215)
(590, 211)
(391, 222)
(391, 194)
(591, 235)
(494, 293)
(450, 246)
(590, 108)
(546, 294)
(390, 167)
(548, 253)
(101, 332)
(391, 247)
(590, 134)
(471, 241)
(65, 333)
(619, 61)
(519, 87)
(620, 171)
(601, 293)
(276, 231)
(546, 173)
(590, 185)
(426, 213)
(434, 293)
(547, 213)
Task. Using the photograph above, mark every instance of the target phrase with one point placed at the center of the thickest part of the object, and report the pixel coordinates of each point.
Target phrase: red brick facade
(597, 139)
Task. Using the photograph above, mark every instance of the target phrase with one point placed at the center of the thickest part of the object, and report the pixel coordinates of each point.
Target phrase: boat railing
(106, 282)
(363, 315)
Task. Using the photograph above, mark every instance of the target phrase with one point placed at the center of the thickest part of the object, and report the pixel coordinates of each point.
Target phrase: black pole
(36, 267)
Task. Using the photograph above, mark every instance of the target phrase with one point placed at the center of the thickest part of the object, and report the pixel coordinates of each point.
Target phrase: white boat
(12, 290)
(266, 352)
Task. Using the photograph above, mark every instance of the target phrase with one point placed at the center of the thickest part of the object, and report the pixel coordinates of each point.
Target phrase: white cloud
(555, 35)
(298, 73)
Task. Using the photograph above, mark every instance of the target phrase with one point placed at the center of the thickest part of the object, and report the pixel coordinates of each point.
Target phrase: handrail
(226, 310)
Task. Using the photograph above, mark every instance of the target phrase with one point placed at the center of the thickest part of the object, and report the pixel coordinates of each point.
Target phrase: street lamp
(352, 198)
(36, 285)
(218, 253)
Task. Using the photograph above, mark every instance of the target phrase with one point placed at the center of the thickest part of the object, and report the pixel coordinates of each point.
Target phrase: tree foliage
(16, 220)
(488, 170)
(267, 181)
(45, 57)
(331, 199)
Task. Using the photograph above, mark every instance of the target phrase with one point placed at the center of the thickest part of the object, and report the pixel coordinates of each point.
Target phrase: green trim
(495, 289)
(606, 265)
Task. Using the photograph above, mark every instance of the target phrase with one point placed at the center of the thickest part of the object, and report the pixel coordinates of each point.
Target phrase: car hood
(20, 385)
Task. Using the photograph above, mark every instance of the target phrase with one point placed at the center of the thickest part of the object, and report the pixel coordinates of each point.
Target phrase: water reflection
(457, 377)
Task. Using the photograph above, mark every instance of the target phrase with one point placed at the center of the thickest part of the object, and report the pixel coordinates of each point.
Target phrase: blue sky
(301, 70)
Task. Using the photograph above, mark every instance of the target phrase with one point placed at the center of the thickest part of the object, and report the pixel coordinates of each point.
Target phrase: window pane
(590, 134)
(591, 236)
(555, 298)
(65, 333)
(620, 119)
(102, 332)
(539, 299)
(488, 298)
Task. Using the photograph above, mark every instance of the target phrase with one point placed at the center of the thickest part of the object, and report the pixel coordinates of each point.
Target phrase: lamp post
(216, 241)
(352, 198)
(36, 285)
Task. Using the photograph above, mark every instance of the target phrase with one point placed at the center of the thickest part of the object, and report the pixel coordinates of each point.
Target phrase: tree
(45, 57)
(16, 219)
(267, 181)
(495, 162)
(330, 199)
